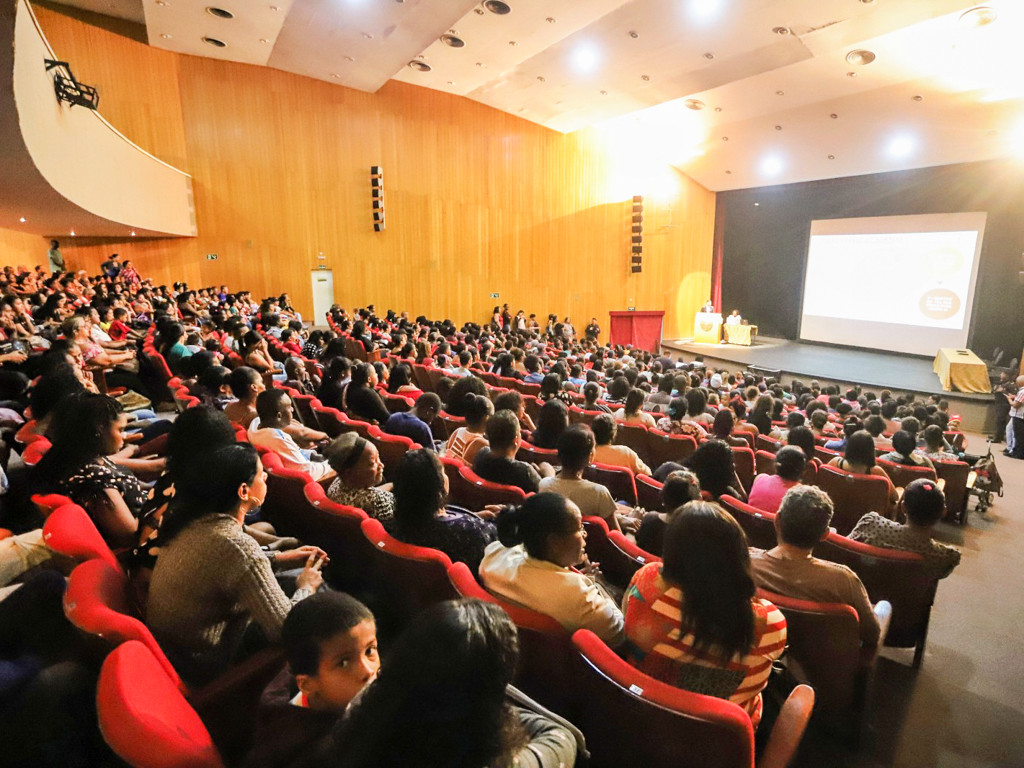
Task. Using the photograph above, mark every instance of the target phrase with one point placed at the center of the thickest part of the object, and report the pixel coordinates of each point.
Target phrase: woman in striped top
(694, 622)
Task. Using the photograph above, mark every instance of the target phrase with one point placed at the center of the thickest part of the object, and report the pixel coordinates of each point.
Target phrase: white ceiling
(627, 66)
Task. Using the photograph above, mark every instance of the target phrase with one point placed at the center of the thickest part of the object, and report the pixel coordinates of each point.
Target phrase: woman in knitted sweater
(212, 581)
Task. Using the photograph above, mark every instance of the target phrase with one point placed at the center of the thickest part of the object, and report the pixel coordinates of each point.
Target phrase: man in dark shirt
(415, 423)
(593, 330)
(498, 463)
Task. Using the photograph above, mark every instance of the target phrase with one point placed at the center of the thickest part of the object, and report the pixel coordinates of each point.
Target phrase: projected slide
(900, 283)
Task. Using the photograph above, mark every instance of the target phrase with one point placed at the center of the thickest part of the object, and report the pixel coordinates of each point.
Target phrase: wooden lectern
(707, 328)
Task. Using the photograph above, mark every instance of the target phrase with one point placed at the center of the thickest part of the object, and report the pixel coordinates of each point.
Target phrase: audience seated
(859, 458)
(465, 442)
(679, 488)
(360, 474)
(533, 564)
(791, 570)
(924, 504)
(713, 464)
(768, 490)
(605, 429)
(415, 423)
(421, 515)
(270, 432)
(631, 413)
(497, 462)
(551, 423)
(211, 580)
(678, 421)
(707, 634)
(246, 385)
(904, 451)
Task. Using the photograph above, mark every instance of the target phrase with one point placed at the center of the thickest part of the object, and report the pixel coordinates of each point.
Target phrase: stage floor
(835, 364)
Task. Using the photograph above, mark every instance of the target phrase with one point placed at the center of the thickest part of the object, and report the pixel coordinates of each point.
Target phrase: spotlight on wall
(377, 196)
(69, 89)
(637, 236)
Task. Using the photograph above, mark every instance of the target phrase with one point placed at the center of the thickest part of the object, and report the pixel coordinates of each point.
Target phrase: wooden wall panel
(477, 201)
(23, 249)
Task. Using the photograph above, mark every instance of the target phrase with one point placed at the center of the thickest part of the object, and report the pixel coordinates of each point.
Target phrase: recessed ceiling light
(72, 233)
(367, 36)
(728, 172)
(917, 97)
(541, 79)
(709, 55)
(513, 43)
(901, 146)
(718, 109)
(778, 127)
(274, 8)
(781, 31)
(851, 74)
(264, 40)
(335, 75)
(604, 93)
(694, 104)
(725, 138)
(550, 19)
(348, 58)
(451, 82)
(420, 66)
(162, 3)
(771, 165)
(831, 157)
(214, 42)
(220, 13)
(757, 205)
(165, 36)
(645, 78)
(780, 93)
(132, 233)
(834, 116)
(452, 41)
(634, 34)
(497, 7)
(480, 64)
(860, 57)
(980, 16)
(22, 219)
(586, 58)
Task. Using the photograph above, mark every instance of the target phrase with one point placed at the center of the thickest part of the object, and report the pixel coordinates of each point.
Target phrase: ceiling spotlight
(420, 66)
(834, 116)
(162, 3)
(781, 31)
(220, 13)
(771, 165)
(451, 82)
(72, 233)
(778, 127)
(851, 74)
(215, 42)
(586, 58)
(705, 9)
(645, 78)
(452, 41)
(22, 219)
(694, 104)
(132, 233)
(981, 16)
(335, 75)
(348, 58)
(497, 7)
(513, 43)
(728, 173)
(550, 19)
(367, 36)
(918, 97)
(480, 64)
(264, 40)
(709, 55)
(541, 79)
(860, 57)
(634, 34)
(901, 146)
(165, 36)
(604, 93)
(718, 109)
(725, 138)
(780, 93)
(831, 157)
(274, 8)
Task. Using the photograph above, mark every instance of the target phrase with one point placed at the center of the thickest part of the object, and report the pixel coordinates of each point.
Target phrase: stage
(836, 365)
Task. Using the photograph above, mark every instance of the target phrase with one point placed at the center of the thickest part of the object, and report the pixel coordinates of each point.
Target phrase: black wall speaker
(637, 235)
(377, 196)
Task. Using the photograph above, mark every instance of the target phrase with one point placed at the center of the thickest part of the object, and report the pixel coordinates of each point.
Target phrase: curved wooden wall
(477, 201)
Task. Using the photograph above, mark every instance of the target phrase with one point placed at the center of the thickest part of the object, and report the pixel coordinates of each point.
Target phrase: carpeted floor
(964, 708)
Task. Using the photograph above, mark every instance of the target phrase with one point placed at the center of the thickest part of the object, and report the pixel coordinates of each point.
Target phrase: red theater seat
(663, 447)
(758, 524)
(618, 557)
(70, 531)
(853, 496)
(648, 493)
(618, 480)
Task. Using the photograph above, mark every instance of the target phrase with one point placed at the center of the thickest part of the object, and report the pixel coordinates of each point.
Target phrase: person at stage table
(734, 318)
(708, 306)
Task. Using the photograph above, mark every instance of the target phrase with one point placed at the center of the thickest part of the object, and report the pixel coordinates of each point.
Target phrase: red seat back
(902, 474)
(758, 524)
(47, 502)
(893, 575)
(956, 475)
(824, 638)
(853, 496)
(579, 416)
(304, 407)
(534, 455)
(545, 649)
(648, 493)
(765, 443)
(743, 459)
(391, 448)
(70, 531)
(409, 578)
(35, 451)
(475, 493)
(618, 480)
(664, 447)
(635, 437)
(284, 494)
(97, 602)
(397, 403)
(143, 716)
(619, 558)
(450, 423)
(764, 462)
(631, 719)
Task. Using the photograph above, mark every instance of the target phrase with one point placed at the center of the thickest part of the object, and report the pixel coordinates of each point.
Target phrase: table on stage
(707, 328)
(962, 370)
(736, 333)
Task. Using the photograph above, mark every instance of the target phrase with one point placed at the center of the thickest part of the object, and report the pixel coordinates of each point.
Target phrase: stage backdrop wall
(765, 246)
(476, 200)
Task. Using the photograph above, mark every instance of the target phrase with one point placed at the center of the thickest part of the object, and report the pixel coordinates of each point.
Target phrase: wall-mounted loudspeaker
(377, 197)
(637, 236)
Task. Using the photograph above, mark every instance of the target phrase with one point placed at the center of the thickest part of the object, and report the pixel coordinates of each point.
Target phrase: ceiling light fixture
(781, 31)
(718, 109)
(694, 104)
(541, 79)
(550, 19)
(981, 16)
(705, 9)
(634, 34)
(860, 57)
(709, 55)
(778, 127)
(335, 75)
(771, 165)
(348, 58)
(264, 40)
(220, 13)
(214, 42)
(780, 93)
(725, 138)
(586, 58)
(22, 219)
(162, 3)
(132, 233)
(165, 36)
(831, 157)
(452, 41)
(645, 78)
(420, 66)
(728, 173)
(917, 97)
(604, 93)
(497, 7)
(367, 36)
(901, 146)
(72, 233)
(834, 116)
(851, 74)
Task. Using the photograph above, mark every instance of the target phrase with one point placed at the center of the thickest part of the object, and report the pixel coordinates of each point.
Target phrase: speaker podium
(707, 328)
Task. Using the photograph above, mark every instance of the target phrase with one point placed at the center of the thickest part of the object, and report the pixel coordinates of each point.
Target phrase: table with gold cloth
(962, 370)
(739, 334)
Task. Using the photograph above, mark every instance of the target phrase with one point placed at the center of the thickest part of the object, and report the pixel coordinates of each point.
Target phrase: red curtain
(716, 277)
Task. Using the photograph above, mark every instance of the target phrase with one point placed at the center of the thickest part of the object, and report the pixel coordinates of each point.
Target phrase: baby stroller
(987, 481)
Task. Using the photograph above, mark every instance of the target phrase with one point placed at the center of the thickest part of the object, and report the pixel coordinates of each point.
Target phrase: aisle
(965, 707)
